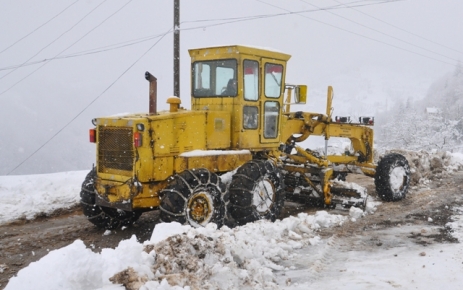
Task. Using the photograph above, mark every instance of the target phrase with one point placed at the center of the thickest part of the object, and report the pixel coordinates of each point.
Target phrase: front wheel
(256, 192)
(193, 197)
(101, 216)
(392, 177)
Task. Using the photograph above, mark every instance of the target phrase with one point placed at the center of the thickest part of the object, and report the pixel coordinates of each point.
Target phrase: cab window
(273, 76)
(251, 80)
(271, 117)
(214, 78)
(250, 117)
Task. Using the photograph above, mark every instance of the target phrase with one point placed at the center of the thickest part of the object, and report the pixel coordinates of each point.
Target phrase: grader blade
(348, 197)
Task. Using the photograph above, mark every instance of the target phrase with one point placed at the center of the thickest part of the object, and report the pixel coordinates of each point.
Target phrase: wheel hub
(199, 207)
(398, 178)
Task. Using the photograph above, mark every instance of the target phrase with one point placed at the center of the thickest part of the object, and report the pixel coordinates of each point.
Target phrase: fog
(65, 62)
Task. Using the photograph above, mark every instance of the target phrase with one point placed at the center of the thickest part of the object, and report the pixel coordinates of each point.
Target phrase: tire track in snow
(309, 264)
(323, 258)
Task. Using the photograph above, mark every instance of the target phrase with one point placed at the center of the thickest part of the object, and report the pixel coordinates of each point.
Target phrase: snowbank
(179, 257)
(253, 256)
(425, 166)
(27, 196)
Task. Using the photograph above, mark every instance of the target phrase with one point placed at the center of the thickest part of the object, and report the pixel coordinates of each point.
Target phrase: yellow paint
(325, 176)
(214, 163)
(302, 94)
(329, 102)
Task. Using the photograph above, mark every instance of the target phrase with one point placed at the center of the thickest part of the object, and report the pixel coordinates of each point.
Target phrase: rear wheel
(256, 192)
(392, 177)
(103, 217)
(193, 197)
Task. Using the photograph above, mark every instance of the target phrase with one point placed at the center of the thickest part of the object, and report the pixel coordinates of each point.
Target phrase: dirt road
(24, 242)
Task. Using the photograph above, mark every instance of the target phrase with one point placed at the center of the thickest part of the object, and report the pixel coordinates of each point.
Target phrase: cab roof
(229, 51)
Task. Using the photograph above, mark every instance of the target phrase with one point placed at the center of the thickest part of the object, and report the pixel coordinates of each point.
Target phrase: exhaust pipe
(153, 92)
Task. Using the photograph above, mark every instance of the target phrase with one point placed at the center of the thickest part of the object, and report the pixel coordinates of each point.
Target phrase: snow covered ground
(26, 196)
(293, 253)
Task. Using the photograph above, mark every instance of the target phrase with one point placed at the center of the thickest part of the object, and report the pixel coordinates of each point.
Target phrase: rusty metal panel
(230, 162)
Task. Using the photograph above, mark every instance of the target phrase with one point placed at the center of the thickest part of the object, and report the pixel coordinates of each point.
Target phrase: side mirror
(300, 94)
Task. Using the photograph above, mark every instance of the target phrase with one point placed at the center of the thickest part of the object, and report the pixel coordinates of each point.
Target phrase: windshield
(273, 75)
(215, 78)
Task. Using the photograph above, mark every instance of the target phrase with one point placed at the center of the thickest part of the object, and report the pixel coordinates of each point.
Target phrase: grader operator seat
(231, 88)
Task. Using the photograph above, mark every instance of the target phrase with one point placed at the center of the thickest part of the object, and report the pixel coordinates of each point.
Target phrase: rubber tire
(383, 177)
(182, 187)
(103, 217)
(244, 181)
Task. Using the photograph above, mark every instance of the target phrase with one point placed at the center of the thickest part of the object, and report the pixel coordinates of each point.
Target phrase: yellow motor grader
(234, 157)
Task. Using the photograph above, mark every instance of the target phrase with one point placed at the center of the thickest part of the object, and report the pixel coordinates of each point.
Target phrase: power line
(334, 7)
(56, 39)
(89, 104)
(68, 46)
(361, 35)
(37, 28)
(91, 30)
(396, 38)
(399, 28)
(227, 21)
(89, 51)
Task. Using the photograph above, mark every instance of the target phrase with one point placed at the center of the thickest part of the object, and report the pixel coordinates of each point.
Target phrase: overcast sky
(372, 46)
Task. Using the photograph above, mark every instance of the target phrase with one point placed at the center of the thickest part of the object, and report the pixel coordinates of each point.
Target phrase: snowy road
(402, 245)
(405, 245)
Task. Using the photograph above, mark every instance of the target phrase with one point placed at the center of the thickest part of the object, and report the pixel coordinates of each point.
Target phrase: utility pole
(177, 48)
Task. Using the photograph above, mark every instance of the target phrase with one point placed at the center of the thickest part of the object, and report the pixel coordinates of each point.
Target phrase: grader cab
(234, 157)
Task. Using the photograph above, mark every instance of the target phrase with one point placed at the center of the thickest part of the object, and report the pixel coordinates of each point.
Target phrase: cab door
(271, 100)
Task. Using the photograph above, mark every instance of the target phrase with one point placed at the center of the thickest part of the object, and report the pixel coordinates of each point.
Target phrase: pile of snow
(28, 196)
(179, 257)
(336, 146)
(286, 254)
